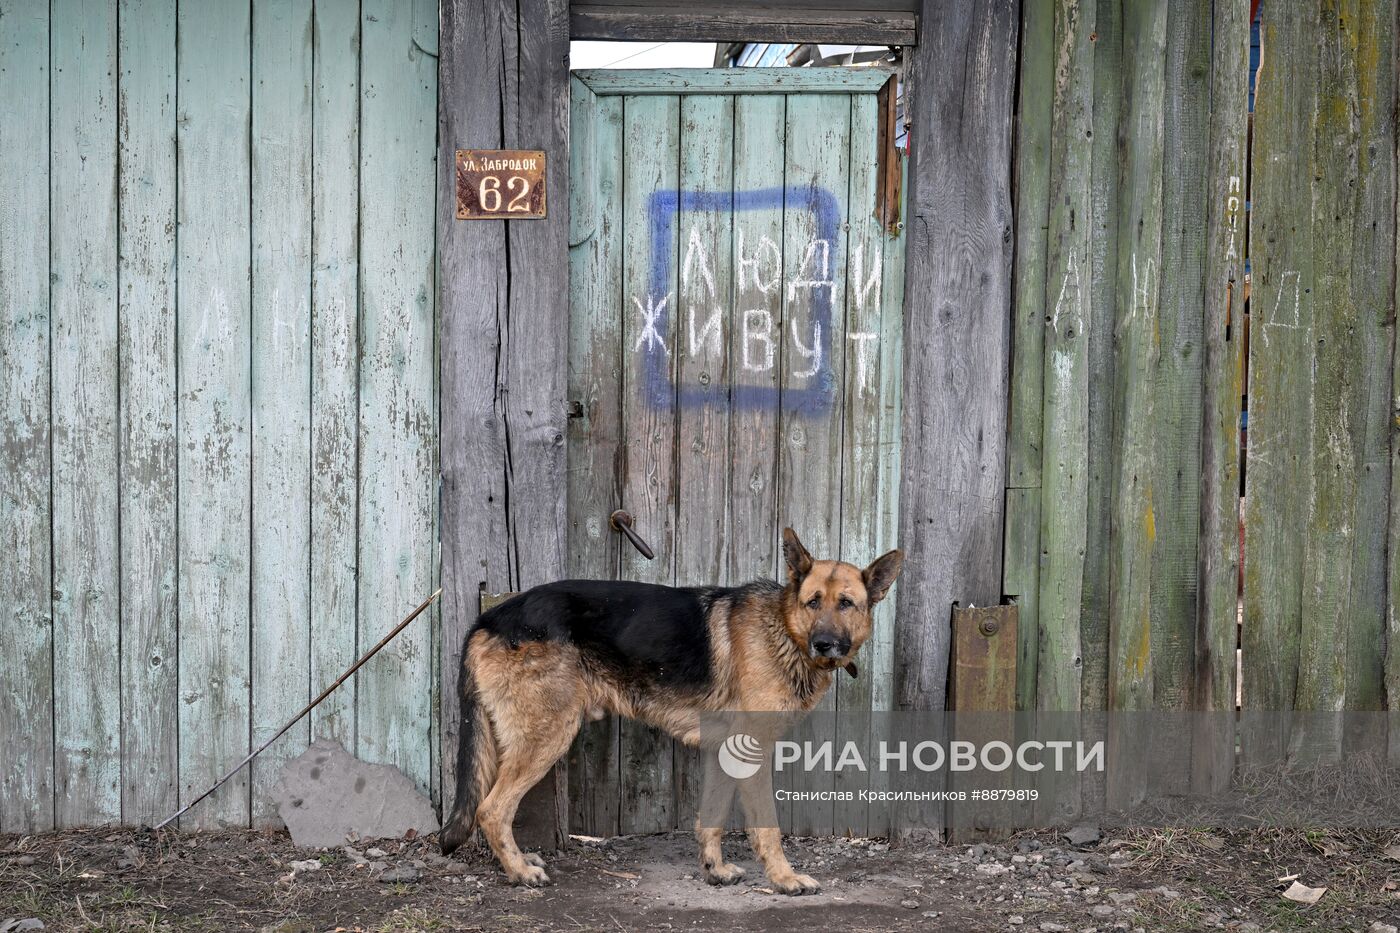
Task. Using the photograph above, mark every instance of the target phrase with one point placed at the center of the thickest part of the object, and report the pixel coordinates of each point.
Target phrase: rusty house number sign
(500, 184)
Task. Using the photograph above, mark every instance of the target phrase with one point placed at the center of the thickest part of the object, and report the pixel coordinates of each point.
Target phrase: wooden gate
(734, 361)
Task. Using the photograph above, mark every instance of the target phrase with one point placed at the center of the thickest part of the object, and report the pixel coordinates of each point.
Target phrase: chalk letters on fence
(712, 309)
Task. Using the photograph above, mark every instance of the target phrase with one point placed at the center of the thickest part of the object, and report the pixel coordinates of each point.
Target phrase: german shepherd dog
(536, 665)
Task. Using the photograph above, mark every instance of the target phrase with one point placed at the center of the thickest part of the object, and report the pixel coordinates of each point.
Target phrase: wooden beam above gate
(851, 22)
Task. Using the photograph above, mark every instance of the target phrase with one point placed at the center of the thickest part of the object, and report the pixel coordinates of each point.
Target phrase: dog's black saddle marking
(641, 633)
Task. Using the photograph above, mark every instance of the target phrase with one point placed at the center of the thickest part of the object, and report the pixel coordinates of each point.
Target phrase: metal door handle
(622, 521)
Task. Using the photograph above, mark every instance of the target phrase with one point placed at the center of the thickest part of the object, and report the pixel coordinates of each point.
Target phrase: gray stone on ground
(1082, 835)
(325, 793)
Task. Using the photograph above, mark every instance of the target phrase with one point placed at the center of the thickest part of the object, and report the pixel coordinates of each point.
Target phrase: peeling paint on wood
(146, 270)
(26, 611)
(192, 610)
(83, 276)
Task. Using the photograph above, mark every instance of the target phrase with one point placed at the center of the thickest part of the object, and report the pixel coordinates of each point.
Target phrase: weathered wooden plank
(1176, 428)
(26, 664)
(1352, 159)
(957, 314)
(651, 256)
(398, 400)
(734, 81)
(1330, 454)
(595, 432)
(982, 679)
(504, 334)
(281, 379)
(1371, 46)
(1021, 579)
(811, 338)
(860, 489)
(1280, 366)
(760, 135)
(1068, 308)
(83, 273)
(1021, 552)
(1033, 121)
(1130, 672)
(733, 23)
(878, 658)
(335, 365)
(213, 371)
(146, 309)
(1103, 290)
(1222, 342)
(703, 369)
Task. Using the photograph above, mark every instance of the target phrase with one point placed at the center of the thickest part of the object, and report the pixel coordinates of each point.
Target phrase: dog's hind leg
(522, 764)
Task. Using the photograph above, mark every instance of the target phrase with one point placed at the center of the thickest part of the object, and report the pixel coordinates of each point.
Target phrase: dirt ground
(1139, 881)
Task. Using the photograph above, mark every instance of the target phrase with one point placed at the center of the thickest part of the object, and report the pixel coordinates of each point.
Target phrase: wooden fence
(219, 424)
(1130, 327)
(217, 396)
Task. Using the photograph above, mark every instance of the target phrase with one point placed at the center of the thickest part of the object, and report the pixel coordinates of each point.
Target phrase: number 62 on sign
(500, 184)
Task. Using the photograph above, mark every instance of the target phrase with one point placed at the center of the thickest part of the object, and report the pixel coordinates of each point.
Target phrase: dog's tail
(476, 764)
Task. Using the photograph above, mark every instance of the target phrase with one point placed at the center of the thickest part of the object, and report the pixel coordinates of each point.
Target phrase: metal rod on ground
(305, 709)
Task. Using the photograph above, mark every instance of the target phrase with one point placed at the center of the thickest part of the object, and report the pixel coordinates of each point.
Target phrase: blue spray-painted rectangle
(660, 391)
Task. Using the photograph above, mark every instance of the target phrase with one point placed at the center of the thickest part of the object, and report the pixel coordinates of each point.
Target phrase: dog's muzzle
(828, 645)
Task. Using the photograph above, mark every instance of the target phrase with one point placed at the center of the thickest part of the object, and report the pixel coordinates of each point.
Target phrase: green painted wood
(1370, 41)
(1280, 396)
(214, 417)
(146, 353)
(1136, 329)
(651, 125)
(1223, 345)
(704, 295)
(1033, 121)
(1064, 476)
(810, 469)
(398, 392)
(877, 658)
(1021, 573)
(1352, 322)
(335, 305)
(755, 514)
(1176, 431)
(83, 295)
(1103, 270)
(281, 385)
(734, 81)
(26, 611)
(861, 412)
(596, 355)
(760, 139)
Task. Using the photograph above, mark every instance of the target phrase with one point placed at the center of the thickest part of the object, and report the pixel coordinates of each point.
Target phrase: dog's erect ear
(881, 574)
(798, 560)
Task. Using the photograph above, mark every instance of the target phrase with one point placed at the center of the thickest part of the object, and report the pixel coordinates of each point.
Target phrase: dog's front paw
(534, 859)
(530, 875)
(724, 873)
(796, 885)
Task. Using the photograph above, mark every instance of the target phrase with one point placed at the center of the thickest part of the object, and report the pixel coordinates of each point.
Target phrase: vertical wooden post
(957, 330)
(504, 332)
(1218, 596)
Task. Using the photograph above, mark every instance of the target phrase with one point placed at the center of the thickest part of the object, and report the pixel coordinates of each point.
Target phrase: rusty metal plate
(984, 659)
(500, 184)
(492, 600)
